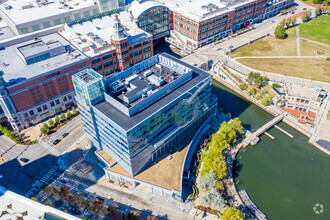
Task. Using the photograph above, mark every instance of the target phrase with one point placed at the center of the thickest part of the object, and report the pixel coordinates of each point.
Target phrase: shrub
(258, 96)
(51, 123)
(231, 213)
(68, 115)
(9, 134)
(251, 91)
(242, 86)
(275, 85)
(63, 117)
(57, 120)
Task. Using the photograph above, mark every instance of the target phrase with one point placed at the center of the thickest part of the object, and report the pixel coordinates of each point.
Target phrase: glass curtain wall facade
(154, 21)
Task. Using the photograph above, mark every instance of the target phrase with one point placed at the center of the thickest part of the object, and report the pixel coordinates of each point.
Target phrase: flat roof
(303, 91)
(102, 28)
(15, 68)
(6, 32)
(193, 8)
(127, 123)
(163, 172)
(36, 11)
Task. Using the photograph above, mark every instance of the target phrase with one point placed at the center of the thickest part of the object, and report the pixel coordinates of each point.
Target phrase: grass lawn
(310, 49)
(316, 69)
(270, 46)
(316, 29)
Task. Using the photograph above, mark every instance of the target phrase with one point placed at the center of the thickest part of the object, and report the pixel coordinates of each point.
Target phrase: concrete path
(280, 57)
(297, 40)
(315, 42)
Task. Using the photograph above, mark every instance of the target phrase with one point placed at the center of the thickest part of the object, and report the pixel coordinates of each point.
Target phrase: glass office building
(176, 99)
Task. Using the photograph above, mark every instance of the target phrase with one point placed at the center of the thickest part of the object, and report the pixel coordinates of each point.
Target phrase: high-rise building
(144, 110)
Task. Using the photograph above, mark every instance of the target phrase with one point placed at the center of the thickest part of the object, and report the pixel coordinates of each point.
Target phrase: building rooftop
(202, 10)
(303, 91)
(14, 206)
(93, 35)
(164, 172)
(6, 32)
(23, 11)
(128, 122)
(13, 59)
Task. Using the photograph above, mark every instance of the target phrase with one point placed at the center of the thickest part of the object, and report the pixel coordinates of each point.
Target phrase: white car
(1, 176)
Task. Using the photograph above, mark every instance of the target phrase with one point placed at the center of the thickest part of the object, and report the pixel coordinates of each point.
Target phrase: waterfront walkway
(253, 208)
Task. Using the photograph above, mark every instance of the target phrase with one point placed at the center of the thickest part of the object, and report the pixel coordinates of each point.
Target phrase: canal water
(284, 177)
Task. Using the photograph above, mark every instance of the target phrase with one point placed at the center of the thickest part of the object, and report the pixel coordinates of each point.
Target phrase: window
(177, 16)
(137, 46)
(138, 52)
(183, 19)
(177, 29)
(146, 42)
(177, 22)
(69, 96)
(35, 27)
(57, 101)
(67, 19)
(31, 112)
(98, 67)
(96, 60)
(24, 30)
(183, 32)
(46, 24)
(108, 56)
(107, 64)
(26, 115)
(65, 99)
(146, 49)
(86, 13)
(39, 109)
(189, 35)
(95, 11)
(44, 107)
(183, 26)
(52, 104)
(57, 21)
(195, 24)
(77, 16)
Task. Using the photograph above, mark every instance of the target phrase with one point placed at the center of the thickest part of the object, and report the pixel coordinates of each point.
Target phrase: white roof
(138, 7)
(39, 11)
(14, 67)
(193, 8)
(16, 205)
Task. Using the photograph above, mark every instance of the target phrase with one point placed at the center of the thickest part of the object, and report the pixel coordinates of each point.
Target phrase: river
(284, 177)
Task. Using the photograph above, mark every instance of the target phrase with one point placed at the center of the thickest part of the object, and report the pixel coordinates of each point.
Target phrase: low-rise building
(303, 102)
(137, 115)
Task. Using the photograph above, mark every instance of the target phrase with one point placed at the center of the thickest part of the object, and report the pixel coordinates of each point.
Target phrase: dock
(269, 135)
(285, 132)
(253, 138)
(251, 206)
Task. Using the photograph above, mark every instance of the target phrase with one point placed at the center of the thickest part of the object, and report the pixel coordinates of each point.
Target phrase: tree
(227, 133)
(57, 120)
(275, 85)
(279, 32)
(264, 79)
(43, 131)
(231, 213)
(242, 86)
(255, 78)
(282, 23)
(251, 91)
(68, 115)
(294, 20)
(63, 117)
(214, 160)
(208, 180)
(236, 125)
(304, 17)
(50, 122)
(318, 11)
(288, 22)
(266, 100)
(214, 198)
(258, 96)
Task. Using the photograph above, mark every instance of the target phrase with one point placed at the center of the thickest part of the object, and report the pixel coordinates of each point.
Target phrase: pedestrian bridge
(253, 138)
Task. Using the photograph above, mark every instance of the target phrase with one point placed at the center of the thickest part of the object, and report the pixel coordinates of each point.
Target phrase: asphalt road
(19, 176)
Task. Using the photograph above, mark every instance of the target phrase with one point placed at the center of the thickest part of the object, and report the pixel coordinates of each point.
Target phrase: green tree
(282, 23)
(231, 213)
(227, 133)
(63, 117)
(43, 131)
(236, 125)
(68, 115)
(264, 79)
(242, 86)
(318, 11)
(266, 100)
(51, 123)
(294, 20)
(214, 160)
(57, 120)
(251, 90)
(279, 32)
(288, 22)
(208, 180)
(258, 96)
(275, 85)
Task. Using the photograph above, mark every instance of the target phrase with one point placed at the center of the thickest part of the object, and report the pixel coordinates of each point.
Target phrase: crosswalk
(48, 175)
(49, 147)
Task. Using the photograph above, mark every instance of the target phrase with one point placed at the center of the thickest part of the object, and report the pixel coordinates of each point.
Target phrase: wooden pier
(269, 135)
(285, 132)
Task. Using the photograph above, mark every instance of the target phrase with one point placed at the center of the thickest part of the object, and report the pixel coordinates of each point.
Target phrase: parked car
(25, 160)
(1, 176)
(64, 180)
(56, 141)
(64, 135)
(76, 210)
